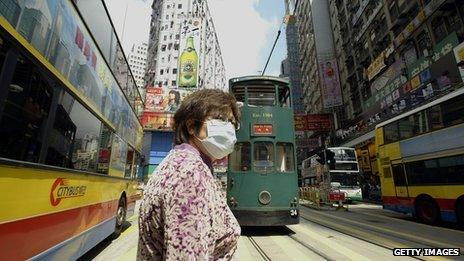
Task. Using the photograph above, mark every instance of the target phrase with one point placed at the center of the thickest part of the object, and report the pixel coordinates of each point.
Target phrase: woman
(184, 215)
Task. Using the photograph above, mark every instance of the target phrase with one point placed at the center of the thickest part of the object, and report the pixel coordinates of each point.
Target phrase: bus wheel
(460, 211)
(120, 217)
(427, 211)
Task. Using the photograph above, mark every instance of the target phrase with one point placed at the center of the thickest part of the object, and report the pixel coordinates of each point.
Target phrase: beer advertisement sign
(188, 56)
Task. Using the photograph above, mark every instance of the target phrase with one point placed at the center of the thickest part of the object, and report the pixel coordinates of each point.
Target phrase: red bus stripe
(444, 204)
(26, 238)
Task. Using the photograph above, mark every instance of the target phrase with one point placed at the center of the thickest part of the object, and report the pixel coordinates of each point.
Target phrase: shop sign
(300, 123)
(445, 46)
(420, 65)
(415, 82)
(459, 55)
(318, 122)
(376, 66)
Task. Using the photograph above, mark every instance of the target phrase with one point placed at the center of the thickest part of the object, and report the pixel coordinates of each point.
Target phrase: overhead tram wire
(272, 50)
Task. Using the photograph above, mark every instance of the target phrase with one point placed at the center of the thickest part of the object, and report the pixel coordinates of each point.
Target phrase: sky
(246, 30)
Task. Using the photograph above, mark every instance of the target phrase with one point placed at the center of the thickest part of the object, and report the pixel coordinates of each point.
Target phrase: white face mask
(221, 138)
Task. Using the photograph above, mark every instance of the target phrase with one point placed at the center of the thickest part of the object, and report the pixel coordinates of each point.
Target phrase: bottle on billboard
(188, 64)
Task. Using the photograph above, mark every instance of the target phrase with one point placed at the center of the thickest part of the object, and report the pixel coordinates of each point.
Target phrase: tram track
(267, 257)
(258, 249)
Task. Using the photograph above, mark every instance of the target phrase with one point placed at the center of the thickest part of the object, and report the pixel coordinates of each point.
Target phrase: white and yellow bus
(421, 160)
(69, 139)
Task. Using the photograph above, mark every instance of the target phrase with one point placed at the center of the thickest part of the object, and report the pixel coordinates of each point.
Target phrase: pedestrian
(183, 213)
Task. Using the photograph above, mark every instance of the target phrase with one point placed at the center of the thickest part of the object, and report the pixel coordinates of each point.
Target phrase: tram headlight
(264, 197)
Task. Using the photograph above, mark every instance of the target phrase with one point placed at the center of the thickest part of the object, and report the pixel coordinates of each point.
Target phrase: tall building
(395, 56)
(319, 71)
(137, 63)
(183, 55)
(291, 32)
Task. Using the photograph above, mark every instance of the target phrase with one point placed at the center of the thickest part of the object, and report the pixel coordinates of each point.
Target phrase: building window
(179, 6)
(174, 71)
(161, 72)
(174, 83)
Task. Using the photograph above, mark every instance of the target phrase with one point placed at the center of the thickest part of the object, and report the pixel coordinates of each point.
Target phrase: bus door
(399, 178)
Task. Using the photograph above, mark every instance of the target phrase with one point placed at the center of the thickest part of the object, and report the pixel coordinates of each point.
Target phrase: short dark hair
(197, 107)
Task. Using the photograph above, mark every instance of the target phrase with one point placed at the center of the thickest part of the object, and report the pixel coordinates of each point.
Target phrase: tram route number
(426, 251)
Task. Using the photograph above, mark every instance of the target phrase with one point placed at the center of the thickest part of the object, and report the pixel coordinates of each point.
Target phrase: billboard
(331, 92)
(157, 121)
(188, 56)
(159, 99)
(313, 122)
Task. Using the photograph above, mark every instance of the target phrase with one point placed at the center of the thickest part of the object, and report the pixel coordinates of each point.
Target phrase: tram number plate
(336, 196)
(293, 212)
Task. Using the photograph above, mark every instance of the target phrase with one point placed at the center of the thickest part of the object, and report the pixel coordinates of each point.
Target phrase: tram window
(398, 175)
(75, 137)
(240, 157)
(25, 112)
(263, 156)
(391, 132)
(406, 127)
(284, 160)
(261, 99)
(453, 112)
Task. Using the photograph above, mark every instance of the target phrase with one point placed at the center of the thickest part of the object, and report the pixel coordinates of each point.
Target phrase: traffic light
(330, 157)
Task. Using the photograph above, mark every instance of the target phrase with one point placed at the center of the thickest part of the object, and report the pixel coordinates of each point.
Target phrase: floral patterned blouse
(183, 214)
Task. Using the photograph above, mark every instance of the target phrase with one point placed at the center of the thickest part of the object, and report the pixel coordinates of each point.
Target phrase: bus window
(391, 132)
(263, 156)
(420, 123)
(406, 126)
(129, 163)
(104, 154)
(75, 136)
(435, 117)
(26, 108)
(284, 158)
(398, 175)
(452, 168)
(453, 111)
(240, 157)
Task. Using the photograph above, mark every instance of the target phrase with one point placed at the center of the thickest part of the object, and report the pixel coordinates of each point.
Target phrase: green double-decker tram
(262, 185)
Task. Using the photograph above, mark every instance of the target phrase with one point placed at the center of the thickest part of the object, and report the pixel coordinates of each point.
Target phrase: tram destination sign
(262, 129)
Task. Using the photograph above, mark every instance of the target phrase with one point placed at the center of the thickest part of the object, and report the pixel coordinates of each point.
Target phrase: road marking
(396, 233)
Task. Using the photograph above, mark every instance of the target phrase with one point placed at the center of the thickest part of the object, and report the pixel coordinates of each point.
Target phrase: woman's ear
(190, 127)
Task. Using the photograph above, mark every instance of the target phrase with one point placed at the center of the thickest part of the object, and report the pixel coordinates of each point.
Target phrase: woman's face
(203, 132)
